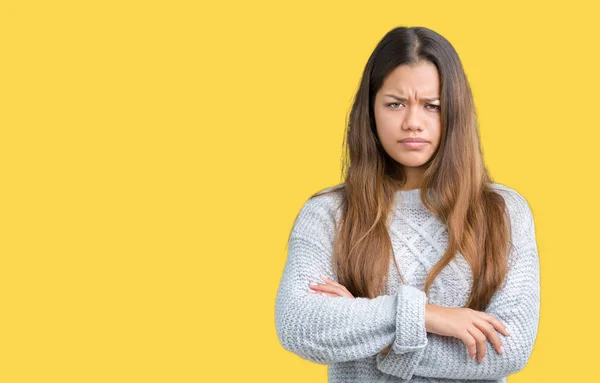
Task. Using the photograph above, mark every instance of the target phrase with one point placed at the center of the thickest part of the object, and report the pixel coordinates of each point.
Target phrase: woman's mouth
(413, 144)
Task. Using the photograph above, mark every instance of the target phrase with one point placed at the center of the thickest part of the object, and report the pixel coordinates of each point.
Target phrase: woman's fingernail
(506, 329)
(323, 294)
(312, 284)
(324, 277)
(311, 291)
(483, 359)
(501, 349)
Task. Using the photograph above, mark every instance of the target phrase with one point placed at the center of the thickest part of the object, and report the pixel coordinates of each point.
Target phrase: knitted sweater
(348, 334)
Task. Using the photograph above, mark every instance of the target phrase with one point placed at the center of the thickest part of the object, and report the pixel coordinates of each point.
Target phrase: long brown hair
(459, 185)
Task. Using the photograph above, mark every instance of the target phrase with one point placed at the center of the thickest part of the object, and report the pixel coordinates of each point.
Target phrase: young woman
(418, 268)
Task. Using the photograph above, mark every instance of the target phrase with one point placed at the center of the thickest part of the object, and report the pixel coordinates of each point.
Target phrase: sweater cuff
(399, 365)
(411, 336)
(410, 320)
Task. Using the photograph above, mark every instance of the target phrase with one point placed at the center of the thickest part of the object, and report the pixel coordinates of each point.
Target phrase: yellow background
(155, 153)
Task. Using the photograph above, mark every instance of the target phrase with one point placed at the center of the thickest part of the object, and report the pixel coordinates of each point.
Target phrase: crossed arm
(516, 304)
(328, 330)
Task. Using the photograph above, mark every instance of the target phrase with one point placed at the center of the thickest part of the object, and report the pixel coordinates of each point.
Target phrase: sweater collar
(409, 197)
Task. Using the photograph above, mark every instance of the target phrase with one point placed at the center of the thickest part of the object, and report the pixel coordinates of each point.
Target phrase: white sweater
(348, 334)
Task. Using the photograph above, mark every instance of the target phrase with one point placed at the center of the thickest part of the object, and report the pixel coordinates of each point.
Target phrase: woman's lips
(414, 144)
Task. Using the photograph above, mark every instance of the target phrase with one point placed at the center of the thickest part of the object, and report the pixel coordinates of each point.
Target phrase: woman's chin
(412, 163)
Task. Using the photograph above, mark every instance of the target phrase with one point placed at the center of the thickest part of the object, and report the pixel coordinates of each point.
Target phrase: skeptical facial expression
(407, 114)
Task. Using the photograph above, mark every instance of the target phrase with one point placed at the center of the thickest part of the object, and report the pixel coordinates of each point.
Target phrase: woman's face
(407, 106)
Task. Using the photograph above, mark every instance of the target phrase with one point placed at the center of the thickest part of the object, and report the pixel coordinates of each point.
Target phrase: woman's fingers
(473, 327)
(492, 327)
(488, 329)
(327, 288)
(330, 287)
(499, 326)
(471, 344)
(332, 282)
(480, 340)
(329, 280)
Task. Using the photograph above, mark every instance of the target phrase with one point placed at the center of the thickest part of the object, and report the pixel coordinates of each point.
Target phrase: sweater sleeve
(516, 304)
(326, 329)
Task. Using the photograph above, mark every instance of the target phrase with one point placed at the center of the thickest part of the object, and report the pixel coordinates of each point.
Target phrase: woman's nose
(412, 119)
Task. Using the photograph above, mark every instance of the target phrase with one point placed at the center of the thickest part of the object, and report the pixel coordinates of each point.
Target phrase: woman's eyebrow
(405, 99)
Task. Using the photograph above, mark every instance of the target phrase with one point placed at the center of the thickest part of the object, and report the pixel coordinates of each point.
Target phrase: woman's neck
(414, 178)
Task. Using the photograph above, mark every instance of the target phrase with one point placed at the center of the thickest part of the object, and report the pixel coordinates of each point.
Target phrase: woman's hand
(330, 288)
(333, 289)
(466, 324)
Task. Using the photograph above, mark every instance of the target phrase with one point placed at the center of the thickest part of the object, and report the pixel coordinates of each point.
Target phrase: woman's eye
(430, 106)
